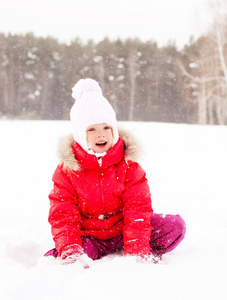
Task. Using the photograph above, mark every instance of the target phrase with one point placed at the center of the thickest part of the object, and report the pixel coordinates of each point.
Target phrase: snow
(186, 168)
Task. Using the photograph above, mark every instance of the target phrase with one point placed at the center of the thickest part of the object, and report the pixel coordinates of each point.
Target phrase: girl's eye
(91, 129)
(107, 127)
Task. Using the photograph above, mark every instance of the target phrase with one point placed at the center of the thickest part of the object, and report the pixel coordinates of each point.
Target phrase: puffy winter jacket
(100, 201)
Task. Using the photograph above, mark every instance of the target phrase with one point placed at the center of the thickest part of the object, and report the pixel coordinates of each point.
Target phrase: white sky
(159, 20)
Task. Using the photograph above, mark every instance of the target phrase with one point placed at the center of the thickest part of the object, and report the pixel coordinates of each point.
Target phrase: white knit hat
(90, 108)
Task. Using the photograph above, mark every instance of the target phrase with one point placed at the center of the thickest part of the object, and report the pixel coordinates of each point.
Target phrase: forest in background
(142, 81)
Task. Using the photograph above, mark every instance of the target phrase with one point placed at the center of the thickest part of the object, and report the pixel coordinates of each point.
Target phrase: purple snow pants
(167, 232)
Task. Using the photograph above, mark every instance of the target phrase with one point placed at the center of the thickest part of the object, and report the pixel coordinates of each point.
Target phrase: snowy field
(187, 171)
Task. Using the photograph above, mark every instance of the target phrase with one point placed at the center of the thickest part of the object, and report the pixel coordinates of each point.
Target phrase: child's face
(100, 137)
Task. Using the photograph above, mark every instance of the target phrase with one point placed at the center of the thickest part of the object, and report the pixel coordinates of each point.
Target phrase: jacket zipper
(102, 216)
(101, 188)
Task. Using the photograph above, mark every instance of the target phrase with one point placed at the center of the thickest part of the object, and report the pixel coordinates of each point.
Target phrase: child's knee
(180, 225)
(90, 248)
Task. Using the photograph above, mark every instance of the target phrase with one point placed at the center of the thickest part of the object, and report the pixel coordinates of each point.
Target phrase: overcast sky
(159, 20)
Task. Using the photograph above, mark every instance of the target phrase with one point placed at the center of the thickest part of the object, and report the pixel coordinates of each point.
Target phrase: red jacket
(100, 201)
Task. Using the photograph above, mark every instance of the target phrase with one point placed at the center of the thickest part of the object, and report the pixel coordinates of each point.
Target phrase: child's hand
(149, 259)
(83, 259)
(74, 253)
(70, 259)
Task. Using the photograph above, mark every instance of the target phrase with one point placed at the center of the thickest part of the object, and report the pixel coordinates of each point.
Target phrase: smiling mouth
(101, 144)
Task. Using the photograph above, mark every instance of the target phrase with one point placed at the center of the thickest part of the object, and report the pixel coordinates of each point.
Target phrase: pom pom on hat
(90, 108)
(85, 85)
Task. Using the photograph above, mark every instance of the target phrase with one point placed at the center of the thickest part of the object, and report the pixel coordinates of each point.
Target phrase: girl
(101, 201)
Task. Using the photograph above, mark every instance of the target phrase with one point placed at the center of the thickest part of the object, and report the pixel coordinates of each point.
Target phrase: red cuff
(137, 249)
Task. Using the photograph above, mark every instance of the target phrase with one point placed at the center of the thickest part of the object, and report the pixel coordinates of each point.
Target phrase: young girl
(101, 201)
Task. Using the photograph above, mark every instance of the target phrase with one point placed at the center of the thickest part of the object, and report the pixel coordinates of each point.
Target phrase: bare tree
(208, 74)
(132, 78)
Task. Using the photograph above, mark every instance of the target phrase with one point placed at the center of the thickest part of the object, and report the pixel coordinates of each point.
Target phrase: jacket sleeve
(64, 215)
(137, 211)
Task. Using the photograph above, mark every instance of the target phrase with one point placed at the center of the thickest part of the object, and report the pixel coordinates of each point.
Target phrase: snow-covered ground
(186, 167)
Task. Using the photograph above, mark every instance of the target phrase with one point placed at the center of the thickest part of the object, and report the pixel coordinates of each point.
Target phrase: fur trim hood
(66, 155)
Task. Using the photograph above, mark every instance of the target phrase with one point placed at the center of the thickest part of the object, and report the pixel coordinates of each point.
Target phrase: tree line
(142, 81)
